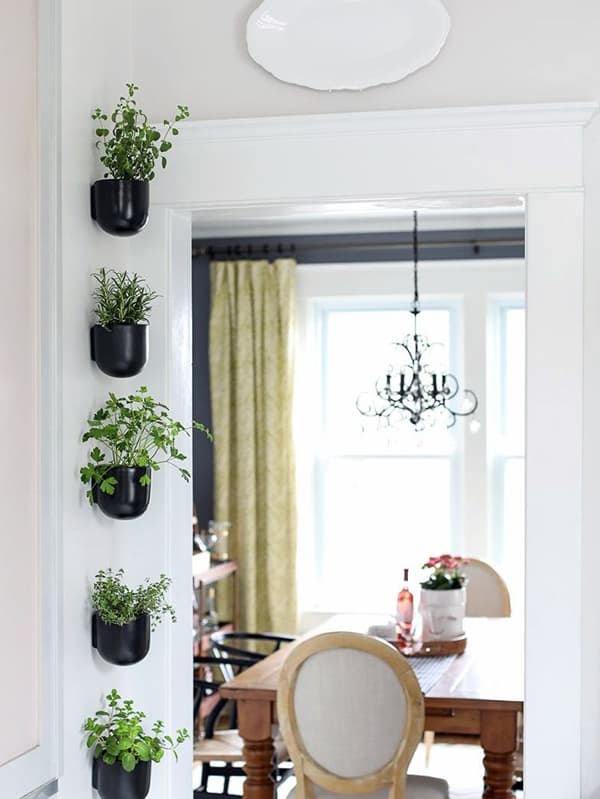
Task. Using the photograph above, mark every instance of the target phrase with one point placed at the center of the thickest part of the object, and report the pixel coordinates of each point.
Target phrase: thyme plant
(121, 298)
(117, 735)
(130, 150)
(133, 431)
(116, 603)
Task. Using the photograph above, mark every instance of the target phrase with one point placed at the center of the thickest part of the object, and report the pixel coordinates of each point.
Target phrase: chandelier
(412, 390)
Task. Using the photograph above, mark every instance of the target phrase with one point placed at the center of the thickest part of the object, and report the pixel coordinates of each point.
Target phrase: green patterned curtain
(251, 373)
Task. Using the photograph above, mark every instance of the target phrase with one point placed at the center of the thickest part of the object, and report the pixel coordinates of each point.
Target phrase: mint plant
(133, 431)
(116, 603)
(130, 150)
(117, 735)
(121, 298)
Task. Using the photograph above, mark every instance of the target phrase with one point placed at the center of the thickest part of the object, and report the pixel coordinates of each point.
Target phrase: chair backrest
(210, 674)
(351, 713)
(487, 594)
(253, 646)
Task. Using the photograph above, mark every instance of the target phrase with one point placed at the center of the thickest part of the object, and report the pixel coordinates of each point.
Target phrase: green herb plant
(133, 431)
(121, 298)
(116, 603)
(117, 735)
(131, 149)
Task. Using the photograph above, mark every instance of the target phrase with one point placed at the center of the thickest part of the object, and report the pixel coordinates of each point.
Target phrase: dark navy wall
(203, 451)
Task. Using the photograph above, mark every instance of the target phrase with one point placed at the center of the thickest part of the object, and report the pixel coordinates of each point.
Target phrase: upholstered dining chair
(487, 593)
(351, 714)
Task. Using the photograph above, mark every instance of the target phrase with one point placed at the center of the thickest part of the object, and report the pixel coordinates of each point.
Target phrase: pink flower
(446, 571)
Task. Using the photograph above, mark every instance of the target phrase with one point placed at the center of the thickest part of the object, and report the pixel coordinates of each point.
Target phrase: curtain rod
(435, 245)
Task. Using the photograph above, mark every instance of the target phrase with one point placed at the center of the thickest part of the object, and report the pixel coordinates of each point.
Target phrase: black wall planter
(120, 350)
(113, 782)
(120, 207)
(130, 499)
(122, 644)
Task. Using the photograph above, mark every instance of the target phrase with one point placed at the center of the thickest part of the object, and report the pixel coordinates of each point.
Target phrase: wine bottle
(405, 609)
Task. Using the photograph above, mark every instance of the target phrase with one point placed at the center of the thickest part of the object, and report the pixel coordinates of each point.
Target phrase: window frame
(322, 308)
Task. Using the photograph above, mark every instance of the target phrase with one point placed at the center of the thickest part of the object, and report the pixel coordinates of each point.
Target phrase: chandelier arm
(468, 393)
(452, 387)
(451, 419)
(408, 350)
(368, 411)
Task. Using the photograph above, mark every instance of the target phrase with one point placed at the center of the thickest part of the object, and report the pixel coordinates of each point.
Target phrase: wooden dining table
(480, 693)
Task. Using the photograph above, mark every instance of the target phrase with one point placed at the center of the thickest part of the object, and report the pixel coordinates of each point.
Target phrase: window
(372, 502)
(373, 489)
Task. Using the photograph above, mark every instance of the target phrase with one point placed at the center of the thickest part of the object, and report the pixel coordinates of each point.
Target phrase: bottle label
(404, 611)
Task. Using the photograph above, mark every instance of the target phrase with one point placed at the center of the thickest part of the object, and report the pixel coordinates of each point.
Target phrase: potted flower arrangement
(123, 617)
(134, 436)
(443, 597)
(120, 338)
(124, 751)
(130, 151)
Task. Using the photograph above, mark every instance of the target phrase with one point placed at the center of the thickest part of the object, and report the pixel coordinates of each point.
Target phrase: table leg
(255, 720)
(499, 742)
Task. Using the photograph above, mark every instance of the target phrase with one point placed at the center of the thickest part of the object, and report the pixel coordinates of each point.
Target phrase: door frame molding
(234, 169)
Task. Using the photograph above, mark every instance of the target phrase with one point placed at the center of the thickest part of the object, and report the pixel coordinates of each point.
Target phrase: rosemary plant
(121, 298)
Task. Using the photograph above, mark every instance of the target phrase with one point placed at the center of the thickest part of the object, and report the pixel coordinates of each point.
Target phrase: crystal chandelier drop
(412, 390)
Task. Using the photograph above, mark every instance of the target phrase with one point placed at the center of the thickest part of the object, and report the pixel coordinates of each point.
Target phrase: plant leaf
(128, 761)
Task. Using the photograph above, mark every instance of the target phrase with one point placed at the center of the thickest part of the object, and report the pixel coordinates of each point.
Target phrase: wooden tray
(421, 649)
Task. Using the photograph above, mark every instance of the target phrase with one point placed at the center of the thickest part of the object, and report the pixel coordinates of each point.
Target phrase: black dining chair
(219, 747)
(251, 646)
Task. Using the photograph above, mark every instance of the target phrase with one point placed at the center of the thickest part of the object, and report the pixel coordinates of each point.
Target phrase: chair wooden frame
(307, 769)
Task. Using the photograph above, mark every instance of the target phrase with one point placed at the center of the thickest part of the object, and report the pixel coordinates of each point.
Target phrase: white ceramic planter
(443, 613)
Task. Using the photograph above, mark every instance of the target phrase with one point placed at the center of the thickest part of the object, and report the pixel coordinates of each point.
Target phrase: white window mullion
(475, 474)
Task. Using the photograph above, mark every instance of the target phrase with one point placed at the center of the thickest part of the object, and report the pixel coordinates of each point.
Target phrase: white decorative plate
(346, 44)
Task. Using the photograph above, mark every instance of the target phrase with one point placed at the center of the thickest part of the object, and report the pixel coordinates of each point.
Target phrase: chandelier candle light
(412, 390)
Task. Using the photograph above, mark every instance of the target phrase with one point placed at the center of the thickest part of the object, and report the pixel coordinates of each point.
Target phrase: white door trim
(455, 156)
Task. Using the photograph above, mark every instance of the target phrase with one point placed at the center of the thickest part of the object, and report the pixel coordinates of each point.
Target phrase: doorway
(454, 155)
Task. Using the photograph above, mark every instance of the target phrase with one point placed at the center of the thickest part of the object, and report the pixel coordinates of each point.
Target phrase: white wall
(95, 57)
(591, 497)
(19, 360)
(194, 51)
(96, 63)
